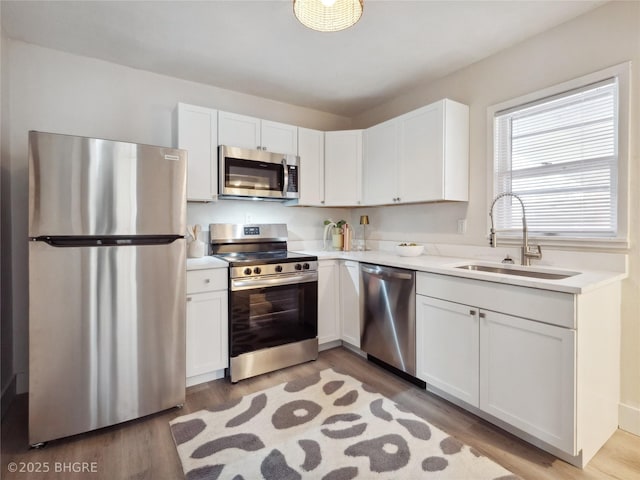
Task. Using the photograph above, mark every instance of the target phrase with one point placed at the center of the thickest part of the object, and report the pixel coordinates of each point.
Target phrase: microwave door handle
(285, 173)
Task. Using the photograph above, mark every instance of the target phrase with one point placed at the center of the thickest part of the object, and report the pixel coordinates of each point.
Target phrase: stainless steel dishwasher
(388, 301)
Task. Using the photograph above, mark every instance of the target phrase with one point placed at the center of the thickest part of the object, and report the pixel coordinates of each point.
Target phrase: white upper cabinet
(311, 152)
(238, 130)
(421, 156)
(433, 153)
(279, 137)
(250, 132)
(198, 134)
(343, 168)
(380, 169)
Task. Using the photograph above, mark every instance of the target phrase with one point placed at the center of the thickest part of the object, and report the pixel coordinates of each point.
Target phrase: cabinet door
(421, 150)
(207, 336)
(198, 134)
(343, 168)
(279, 137)
(311, 152)
(527, 377)
(328, 306)
(350, 302)
(238, 130)
(380, 165)
(447, 348)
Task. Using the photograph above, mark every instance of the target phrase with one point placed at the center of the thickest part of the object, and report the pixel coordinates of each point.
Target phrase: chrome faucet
(527, 251)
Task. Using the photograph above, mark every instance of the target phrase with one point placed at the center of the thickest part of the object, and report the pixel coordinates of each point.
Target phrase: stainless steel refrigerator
(106, 282)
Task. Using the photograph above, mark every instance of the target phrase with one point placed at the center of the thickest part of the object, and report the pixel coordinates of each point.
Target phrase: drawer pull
(188, 299)
(207, 280)
(482, 315)
(472, 312)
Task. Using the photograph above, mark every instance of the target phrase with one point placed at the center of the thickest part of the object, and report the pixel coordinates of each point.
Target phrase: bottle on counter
(346, 232)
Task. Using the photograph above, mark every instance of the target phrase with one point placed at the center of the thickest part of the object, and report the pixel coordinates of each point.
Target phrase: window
(559, 153)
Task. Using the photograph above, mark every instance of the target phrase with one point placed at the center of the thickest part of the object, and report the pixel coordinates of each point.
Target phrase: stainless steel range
(273, 298)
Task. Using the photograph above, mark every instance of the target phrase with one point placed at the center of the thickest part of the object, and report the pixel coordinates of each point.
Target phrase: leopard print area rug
(326, 426)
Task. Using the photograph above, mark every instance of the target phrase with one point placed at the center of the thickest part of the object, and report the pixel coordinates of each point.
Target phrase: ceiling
(259, 48)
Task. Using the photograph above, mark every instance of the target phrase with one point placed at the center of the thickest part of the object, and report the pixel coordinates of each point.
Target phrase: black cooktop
(264, 258)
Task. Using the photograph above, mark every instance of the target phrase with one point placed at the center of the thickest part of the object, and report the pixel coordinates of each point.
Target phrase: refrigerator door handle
(111, 241)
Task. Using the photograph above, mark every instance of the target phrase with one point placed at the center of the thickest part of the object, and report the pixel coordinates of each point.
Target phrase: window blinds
(560, 155)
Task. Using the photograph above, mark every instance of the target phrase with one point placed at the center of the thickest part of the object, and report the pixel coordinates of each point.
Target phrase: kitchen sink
(542, 274)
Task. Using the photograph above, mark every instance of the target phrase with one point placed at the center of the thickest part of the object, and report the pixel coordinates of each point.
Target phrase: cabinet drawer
(207, 280)
(556, 308)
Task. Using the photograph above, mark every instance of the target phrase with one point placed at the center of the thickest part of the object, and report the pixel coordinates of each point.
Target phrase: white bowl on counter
(409, 250)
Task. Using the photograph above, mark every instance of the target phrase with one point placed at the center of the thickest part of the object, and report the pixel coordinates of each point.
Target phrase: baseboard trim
(629, 418)
(8, 394)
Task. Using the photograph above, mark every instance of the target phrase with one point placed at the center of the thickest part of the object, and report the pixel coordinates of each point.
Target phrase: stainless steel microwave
(245, 173)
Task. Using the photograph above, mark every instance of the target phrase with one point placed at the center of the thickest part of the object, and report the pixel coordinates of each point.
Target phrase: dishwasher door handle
(384, 273)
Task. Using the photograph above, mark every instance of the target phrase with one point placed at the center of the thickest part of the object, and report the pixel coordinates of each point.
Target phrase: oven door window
(253, 175)
(271, 316)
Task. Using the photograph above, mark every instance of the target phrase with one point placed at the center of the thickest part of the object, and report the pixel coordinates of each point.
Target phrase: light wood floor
(143, 449)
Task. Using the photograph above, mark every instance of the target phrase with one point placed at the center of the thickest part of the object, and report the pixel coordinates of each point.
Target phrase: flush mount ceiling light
(328, 15)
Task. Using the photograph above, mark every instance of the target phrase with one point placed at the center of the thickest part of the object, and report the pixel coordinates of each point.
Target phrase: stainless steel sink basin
(546, 275)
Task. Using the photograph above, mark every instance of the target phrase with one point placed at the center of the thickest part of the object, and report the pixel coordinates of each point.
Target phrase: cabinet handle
(258, 147)
(207, 280)
(472, 312)
(322, 202)
(398, 198)
(483, 315)
(188, 299)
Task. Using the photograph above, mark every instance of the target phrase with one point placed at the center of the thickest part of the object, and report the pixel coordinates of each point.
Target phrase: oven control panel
(272, 269)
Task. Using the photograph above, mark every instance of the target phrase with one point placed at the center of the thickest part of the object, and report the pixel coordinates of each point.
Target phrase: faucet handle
(534, 251)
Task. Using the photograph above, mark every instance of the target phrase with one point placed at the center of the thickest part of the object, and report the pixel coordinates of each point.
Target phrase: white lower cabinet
(520, 371)
(339, 301)
(350, 302)
(447, 350)
(207, 328)
(328, 305)
(545, 367)
(527, 377)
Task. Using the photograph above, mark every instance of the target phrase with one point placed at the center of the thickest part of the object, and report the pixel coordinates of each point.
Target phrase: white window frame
(623, 74)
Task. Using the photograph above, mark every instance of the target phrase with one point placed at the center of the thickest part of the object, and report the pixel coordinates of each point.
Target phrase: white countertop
(585, 281)
(205, 262)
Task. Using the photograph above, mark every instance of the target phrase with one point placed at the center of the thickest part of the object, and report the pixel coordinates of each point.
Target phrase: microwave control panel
(293, 178)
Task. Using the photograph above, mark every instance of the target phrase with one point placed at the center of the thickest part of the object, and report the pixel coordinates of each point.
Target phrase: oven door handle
(261, 282)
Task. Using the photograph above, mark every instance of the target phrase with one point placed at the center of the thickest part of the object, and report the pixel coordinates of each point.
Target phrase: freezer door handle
(111, 241)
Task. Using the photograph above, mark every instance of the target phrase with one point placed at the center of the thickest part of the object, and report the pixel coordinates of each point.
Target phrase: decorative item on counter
(364, 221)
(346, 233)
(195, 246)
(409, 249)
(336, 234)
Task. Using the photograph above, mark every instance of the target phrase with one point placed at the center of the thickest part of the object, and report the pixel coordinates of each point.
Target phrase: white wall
(599, 39)
(59, 92)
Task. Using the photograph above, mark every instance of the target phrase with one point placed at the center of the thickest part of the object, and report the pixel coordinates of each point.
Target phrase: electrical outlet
(462, 225)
